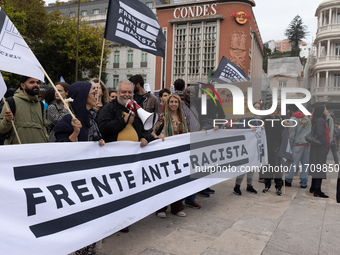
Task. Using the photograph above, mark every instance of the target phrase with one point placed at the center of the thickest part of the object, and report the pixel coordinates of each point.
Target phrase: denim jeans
(300, 154)
(190, 199)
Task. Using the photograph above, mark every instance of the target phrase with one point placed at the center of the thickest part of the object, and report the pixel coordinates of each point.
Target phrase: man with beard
(147, 101)
(30, 117)
(116, 123)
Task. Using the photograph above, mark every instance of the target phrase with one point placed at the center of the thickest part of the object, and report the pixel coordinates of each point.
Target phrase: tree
(57, 50)
(295, 32)
(266, 52)
(29, 17)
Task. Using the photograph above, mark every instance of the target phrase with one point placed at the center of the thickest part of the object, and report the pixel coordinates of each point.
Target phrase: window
(128, 76)
(337, 80)
(195, 48)
(116, 59)
(129, 63)
(144, 78)
(144, 62)
(106, 10)
(115, 80)
(287, 43)
(83, 13)
(149, 4)
(72, 14)
(277, 45)
(96, 11)
(337, 49)
(282, 84)
(338, 17)
(283, 50)
(284, 44)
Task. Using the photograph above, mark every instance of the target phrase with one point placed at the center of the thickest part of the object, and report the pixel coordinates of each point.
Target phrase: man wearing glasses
(29, 117)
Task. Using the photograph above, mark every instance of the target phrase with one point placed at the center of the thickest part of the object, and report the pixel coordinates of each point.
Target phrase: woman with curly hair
(172, 122)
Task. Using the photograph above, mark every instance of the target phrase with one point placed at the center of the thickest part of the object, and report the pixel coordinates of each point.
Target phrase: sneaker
(265, 190)
(251, 189)
(278, 192)
(203, 193)
(303, 186)
(288, 184)
(181, 214)
(237, 190)
(261, 180)
(193, 205)
(210, 191)
(161, 215)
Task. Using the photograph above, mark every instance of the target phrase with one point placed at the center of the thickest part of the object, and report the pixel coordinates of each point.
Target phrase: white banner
(59, 197)
(15, 55)
(3, 87)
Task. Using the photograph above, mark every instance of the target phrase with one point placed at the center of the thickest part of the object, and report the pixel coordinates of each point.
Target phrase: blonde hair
(167, 116)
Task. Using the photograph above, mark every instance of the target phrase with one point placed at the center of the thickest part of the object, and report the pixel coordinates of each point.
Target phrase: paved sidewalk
(227, 224)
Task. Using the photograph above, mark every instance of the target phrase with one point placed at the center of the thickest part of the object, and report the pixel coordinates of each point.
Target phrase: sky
(274, 16)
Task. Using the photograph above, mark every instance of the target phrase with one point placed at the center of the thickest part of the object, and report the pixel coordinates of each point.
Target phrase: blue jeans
(300, 154)
(190, 199)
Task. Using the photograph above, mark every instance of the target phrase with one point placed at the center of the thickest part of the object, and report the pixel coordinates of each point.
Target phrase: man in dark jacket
(116, 123)
(274, 131)
(147, 101)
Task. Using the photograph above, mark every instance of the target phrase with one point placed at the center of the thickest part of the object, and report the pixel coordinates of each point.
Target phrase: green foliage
(57, 50)
(295, 32)
(266, 52)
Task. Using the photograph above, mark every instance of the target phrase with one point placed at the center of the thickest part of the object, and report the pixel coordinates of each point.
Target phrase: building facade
(325, 71)
(200, 33)
(123, 61)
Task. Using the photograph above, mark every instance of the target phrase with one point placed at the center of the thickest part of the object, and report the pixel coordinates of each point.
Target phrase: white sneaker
(161, 215)
(181, 214)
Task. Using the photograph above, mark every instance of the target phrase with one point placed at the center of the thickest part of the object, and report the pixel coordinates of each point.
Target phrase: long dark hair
(318, 113)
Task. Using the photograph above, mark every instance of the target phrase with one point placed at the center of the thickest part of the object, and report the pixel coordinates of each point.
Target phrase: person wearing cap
(30, 117)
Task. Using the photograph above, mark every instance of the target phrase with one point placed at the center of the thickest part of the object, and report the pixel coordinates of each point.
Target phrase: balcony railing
(328, 27)
(143, 64)
(330, 90)
(115, 65)
(328, 58)
(129, 64)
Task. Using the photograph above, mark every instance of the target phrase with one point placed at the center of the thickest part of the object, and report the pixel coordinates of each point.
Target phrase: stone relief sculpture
(238, 50)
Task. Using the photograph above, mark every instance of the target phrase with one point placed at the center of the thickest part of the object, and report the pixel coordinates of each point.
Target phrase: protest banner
(60, 197)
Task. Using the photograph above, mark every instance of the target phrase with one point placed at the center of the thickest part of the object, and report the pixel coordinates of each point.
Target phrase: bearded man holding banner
(116, 123)
(29, 118)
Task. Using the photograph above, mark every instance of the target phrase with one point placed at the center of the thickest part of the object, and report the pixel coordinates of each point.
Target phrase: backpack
(11, 103)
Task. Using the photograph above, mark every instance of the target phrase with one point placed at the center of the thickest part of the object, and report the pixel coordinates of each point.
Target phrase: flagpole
(12, 121)
(100, 68)
(61, 98)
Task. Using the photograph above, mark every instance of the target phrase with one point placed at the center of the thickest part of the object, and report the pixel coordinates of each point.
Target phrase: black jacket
(111, 122)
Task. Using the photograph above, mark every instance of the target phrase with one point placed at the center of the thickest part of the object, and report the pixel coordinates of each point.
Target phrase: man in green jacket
(29, 120)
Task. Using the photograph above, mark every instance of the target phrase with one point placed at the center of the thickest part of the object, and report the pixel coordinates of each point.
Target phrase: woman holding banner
(172, 123)
(84, 126)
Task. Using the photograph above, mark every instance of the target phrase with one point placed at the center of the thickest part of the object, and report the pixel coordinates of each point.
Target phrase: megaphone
(148, 119)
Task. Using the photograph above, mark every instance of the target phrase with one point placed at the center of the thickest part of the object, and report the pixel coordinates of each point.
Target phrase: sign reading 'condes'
(195, 11)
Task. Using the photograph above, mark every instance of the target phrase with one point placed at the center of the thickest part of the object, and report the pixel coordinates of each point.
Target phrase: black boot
(311, 190)
(319, 193)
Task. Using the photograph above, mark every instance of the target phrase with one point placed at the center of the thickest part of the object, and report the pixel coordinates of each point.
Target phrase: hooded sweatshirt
(79, 92)
(298, 133)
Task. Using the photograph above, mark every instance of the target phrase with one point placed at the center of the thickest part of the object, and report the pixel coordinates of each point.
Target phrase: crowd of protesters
(87, 111)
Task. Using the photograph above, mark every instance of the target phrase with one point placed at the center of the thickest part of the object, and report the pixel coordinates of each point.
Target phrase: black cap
(23, 79)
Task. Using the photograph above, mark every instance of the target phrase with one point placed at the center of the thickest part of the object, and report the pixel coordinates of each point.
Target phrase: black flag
(132, 23)
(228, 72)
